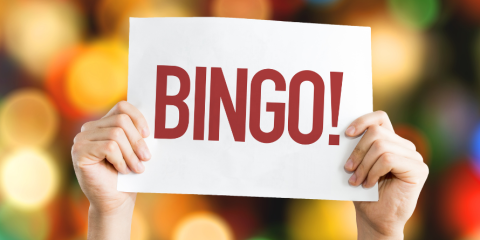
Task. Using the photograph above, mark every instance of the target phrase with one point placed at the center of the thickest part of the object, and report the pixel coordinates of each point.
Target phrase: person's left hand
(384, 157)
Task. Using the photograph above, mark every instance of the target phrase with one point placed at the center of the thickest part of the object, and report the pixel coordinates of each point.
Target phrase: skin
(115, 143)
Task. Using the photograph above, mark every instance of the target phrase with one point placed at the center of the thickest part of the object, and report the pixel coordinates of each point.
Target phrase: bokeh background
(64, 62)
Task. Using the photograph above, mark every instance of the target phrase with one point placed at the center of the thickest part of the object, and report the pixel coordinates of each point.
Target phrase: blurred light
(240, 213)
(38, 30)
(113, 15)
(475, 148)
(414, 227)
(97, 78)
(78, 206)
(140, 229)
(419, 14)
(16, 224)
(322, 219)
(65, 204)
(252, 9)
(397, 58)
(202, 226)
(322, 2)
(447, 113)
(468, 9)
(459, 200)
(68, 214)
(171, 208)
(55, 82)
(27, 118)
(3, 6)
(398, 55)
(28, 178)
(285, 9)
(416, 137)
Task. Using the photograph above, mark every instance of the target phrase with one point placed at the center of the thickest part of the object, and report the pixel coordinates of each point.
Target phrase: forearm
(366, 232)
(115, 226)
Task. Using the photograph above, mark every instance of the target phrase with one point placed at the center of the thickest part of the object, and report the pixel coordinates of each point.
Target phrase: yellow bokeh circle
(97, 79)
(113, 16)
(140, 229)
(397, 57)
(315, 219)
(36, 31)
(28, 119)
(29, 178)
(202, 226)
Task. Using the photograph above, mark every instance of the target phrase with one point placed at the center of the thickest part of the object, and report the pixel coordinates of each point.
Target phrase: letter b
(178, 101)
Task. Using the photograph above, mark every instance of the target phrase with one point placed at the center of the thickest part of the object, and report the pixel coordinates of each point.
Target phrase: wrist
(367, 230)
(114, 224)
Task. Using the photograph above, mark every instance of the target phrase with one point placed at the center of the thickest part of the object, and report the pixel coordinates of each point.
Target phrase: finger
(88, 152)
(406, 169)
(373, 134)
(380, 147)
(118, 135)
(123, 121)
(378, 118)
(137, 117)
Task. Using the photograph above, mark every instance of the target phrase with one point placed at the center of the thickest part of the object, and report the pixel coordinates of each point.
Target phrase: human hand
(384, 157)
(103, 147)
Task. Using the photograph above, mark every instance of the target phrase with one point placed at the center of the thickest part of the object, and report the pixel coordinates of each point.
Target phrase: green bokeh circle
(419, 14)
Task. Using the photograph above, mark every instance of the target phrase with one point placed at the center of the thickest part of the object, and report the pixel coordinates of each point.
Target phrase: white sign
(248, 107)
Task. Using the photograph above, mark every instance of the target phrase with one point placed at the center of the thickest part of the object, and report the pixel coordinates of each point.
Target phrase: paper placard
(244, 107)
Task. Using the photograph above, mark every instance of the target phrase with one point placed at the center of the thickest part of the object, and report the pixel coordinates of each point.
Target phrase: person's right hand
(103, 147)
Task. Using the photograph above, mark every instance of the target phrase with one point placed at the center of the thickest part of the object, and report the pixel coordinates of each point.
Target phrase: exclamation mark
(336, 79)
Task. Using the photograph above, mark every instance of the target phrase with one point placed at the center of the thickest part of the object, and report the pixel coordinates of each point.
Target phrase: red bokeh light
(460, 200)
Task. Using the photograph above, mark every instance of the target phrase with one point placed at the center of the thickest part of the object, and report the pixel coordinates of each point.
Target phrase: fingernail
(140, 167)
(124, 170)
(143, 150)
(353, 179)
(146, 154)
(350, 130)
(349, 164)
(145, 132)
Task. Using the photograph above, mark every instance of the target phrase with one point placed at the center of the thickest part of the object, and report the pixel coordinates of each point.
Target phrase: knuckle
(122, 119)
(419, 156)
(116, 133)
(375, 131)
(360, 121)
(380, 145)
(77, 148)
(425, 169)
(382, 114)
(85, 126)
(412, 145)
(122, 106)
(387, 159)
(110, 146)
(77, 138)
